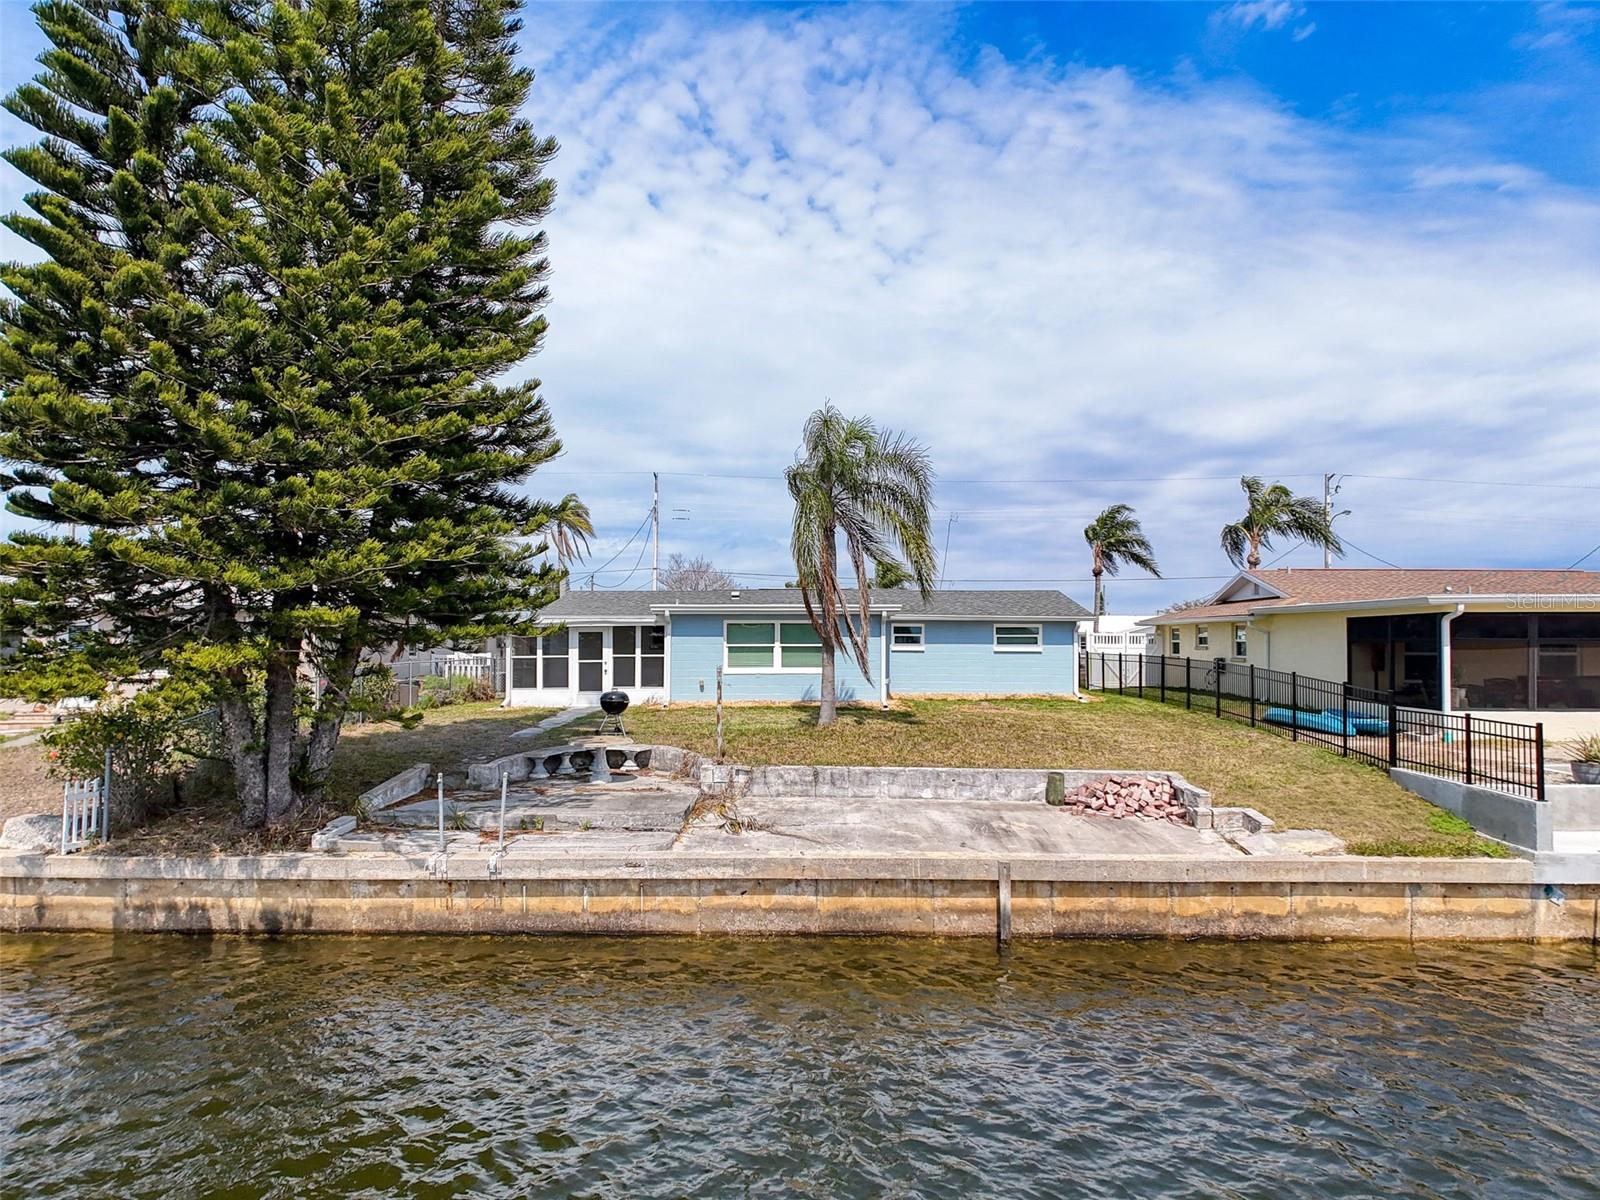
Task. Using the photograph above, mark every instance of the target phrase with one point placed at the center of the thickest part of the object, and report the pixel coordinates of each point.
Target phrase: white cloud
(1263, 14)
(1048, 274)
(1043, 273)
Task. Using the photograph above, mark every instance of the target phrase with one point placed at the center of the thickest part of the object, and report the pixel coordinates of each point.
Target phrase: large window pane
(655, 639)
(556, 674)
(652, 670)
(1569, 627)
(1490, 655)
(524, 672)
(750, 656)
(622, 669)
(1016, 635)
(750, 644)
(624, 638)
(802, 646)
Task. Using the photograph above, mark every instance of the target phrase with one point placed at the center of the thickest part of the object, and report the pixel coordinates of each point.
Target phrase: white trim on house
(1038, 634)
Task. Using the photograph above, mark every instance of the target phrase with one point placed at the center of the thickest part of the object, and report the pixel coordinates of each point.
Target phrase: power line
(1371, 555)
(637, 563)
(625, 545)
(1590, 554)
(1096, 479)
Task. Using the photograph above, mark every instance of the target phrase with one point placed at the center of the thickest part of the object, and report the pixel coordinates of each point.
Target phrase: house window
(1018, 637)
(799, 647)
(1241, 648)
(1176, 641)
(1202, 637)
(771, 646)
(638, 656)
(907, 637)
(533, 659)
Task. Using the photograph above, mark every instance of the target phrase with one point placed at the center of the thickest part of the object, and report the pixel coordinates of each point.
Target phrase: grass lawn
(1298, 786)
(448, 739)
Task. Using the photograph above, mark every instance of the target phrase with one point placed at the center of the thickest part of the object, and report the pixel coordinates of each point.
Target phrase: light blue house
(667, 646)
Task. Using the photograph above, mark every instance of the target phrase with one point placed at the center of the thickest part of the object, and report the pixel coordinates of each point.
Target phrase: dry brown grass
(1295, 784)
(448, 739)
(25, 786)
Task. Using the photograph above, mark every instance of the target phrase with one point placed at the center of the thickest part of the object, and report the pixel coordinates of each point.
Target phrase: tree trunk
(1099, 597)
(281, 727)
(329, 720)
(244, 756)
(829, 707)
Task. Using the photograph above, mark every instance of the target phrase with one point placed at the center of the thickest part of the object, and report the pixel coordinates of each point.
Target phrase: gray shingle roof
(1022, 605)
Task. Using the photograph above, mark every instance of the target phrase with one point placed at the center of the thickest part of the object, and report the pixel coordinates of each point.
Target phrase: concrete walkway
(565, 717)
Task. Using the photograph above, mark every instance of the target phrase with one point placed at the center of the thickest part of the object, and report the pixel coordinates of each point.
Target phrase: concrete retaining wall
(1515, 820)
(916, 783)
(674, 894)
(1573, 806)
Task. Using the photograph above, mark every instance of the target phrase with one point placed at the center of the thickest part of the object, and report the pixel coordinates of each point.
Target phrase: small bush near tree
(154, 737)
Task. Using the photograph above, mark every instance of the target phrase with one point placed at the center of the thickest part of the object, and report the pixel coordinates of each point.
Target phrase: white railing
(462, 664)
(83, 818)
(1129, 641)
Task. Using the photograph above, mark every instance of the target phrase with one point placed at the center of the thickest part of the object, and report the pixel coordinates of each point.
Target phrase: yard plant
(286, 251)
(874, 489)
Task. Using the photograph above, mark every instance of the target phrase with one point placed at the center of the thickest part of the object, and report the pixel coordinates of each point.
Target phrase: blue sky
(1087, 254)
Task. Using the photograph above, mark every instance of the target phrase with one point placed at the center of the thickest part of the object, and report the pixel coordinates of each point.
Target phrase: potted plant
(1585, 752)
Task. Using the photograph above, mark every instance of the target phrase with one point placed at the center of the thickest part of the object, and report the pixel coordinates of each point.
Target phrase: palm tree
(876, 489)
(1276, 511)
(1116, 539)
(566, 527)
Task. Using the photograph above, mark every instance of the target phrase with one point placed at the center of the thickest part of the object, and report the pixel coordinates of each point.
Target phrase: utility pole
(655, 531)
(1327, 508)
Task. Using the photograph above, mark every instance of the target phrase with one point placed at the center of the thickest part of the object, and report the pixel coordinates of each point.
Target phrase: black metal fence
(1356, 722)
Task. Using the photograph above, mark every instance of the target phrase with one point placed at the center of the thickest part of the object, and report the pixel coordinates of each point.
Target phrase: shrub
(1584, 749)
(151, 740)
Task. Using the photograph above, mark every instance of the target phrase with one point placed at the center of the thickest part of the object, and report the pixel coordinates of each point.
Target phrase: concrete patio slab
(806, 825)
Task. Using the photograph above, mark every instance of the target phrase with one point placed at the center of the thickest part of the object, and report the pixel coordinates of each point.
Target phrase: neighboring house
(1521, 645)
(667, 646)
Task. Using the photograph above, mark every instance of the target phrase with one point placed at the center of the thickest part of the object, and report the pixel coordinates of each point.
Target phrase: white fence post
(80, 813)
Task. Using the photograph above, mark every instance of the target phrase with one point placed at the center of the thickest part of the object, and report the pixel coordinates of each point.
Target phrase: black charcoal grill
(612, 705)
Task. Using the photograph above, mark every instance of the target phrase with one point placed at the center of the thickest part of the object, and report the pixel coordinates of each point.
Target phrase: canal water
(303, 1067)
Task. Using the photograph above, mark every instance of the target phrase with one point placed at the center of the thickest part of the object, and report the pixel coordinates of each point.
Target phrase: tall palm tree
(876, 489)
(1116, 539)
(567, 528)
(1276, 512)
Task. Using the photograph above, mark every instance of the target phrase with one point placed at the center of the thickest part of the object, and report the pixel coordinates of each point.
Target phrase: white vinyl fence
(83, 813)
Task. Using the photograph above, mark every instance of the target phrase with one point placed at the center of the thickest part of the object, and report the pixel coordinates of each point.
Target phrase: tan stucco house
(1518, 645)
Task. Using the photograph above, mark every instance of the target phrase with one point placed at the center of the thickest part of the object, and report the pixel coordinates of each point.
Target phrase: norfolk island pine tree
(286, 251)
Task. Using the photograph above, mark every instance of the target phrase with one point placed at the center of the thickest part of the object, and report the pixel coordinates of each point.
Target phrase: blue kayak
(1329, 720)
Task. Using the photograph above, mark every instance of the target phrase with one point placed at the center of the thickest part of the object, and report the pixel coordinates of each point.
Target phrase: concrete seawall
(730, 894)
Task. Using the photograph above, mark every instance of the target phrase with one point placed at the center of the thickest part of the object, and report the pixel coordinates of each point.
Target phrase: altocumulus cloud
(1046, 271)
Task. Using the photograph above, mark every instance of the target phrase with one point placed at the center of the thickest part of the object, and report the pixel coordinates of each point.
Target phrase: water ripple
(309, 1067)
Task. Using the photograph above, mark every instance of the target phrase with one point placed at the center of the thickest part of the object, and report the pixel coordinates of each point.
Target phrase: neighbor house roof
(1317, 588)
(644, 605)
